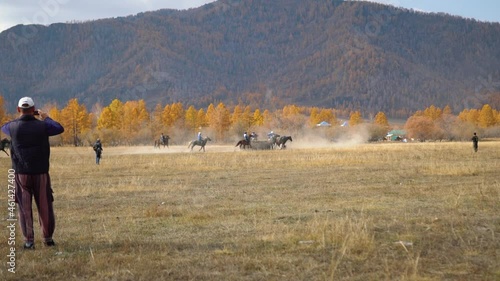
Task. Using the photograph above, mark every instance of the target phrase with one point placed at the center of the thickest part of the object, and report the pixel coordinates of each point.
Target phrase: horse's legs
(5, 152)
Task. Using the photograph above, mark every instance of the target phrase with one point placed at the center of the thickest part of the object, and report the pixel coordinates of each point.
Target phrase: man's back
(30, 147)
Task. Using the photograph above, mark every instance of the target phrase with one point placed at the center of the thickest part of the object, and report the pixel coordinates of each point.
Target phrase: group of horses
(276, 141)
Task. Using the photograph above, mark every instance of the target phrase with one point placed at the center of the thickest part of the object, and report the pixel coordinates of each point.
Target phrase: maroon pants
(37, 186)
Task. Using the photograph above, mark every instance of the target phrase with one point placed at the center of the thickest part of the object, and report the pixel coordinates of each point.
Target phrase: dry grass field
(387, 211)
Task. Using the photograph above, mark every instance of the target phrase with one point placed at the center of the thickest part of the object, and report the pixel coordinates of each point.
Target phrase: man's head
(26, 106)
(474, 134)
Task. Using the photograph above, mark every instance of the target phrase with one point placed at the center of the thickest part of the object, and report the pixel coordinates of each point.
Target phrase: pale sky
(13, 12)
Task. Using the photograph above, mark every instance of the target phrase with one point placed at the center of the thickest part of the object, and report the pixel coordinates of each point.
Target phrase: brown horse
(280, 142)
(243, 144)
(5, 143)
(162, 141)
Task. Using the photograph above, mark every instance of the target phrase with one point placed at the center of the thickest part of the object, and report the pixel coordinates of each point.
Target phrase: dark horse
(201, 143)
(5, 143)
(162, 141)
(244, 143)
(280, 142)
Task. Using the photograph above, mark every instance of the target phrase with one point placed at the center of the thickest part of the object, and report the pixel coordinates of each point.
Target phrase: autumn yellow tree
(111, 116)
(378, 130)
(381, 120)
(355, 118)
(237, 124)
(202, 118)
(447, 110)
(166, 117)
(423, 128)
(135, 117)
(211, 115)
(327, 115)
(292, 117)
(236, 115)
(191, 118)
(469, 115)
(433, 112)
(268, 118)
(109, 122)
(247, 117)
(156, 124)
(55, 113)
(290, 110)
(318, 115)
(75, 120)
(177, 114)
(220, 120)
(173, 114)
(487, 117)
(314, 117)
(258, 118)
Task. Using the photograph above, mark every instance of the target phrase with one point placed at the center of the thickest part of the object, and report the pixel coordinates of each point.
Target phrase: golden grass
(420, 211)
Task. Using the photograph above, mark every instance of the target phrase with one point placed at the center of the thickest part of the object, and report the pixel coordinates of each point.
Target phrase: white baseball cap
(26, 102)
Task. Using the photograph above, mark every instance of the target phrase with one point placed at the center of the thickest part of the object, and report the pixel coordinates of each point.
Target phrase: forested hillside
(340, 54)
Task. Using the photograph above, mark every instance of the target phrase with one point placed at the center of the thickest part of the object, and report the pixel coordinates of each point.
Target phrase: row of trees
(435, 123)
(131, 122)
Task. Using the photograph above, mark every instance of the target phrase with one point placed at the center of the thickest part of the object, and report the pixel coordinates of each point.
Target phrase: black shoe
(29, 245)
(49, 243)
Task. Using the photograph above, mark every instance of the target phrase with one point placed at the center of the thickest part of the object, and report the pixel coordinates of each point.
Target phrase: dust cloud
(306, 138)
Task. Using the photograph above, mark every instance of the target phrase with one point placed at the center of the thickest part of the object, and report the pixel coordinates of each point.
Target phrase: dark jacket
(30, 148)
(98, 148)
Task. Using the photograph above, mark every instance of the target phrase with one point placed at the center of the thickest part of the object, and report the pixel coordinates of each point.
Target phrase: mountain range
(339, 54)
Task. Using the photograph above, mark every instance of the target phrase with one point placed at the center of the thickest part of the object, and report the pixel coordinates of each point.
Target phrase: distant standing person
(30, 154)
(98, 151)
(475, 140)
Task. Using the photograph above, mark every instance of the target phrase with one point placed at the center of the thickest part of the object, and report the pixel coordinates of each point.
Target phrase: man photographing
(30, 154)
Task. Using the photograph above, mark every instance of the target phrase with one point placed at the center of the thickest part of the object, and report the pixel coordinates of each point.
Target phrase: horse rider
(246, 138)
(253, 136)
(163, 138)
(271, 135)
(200, 138)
